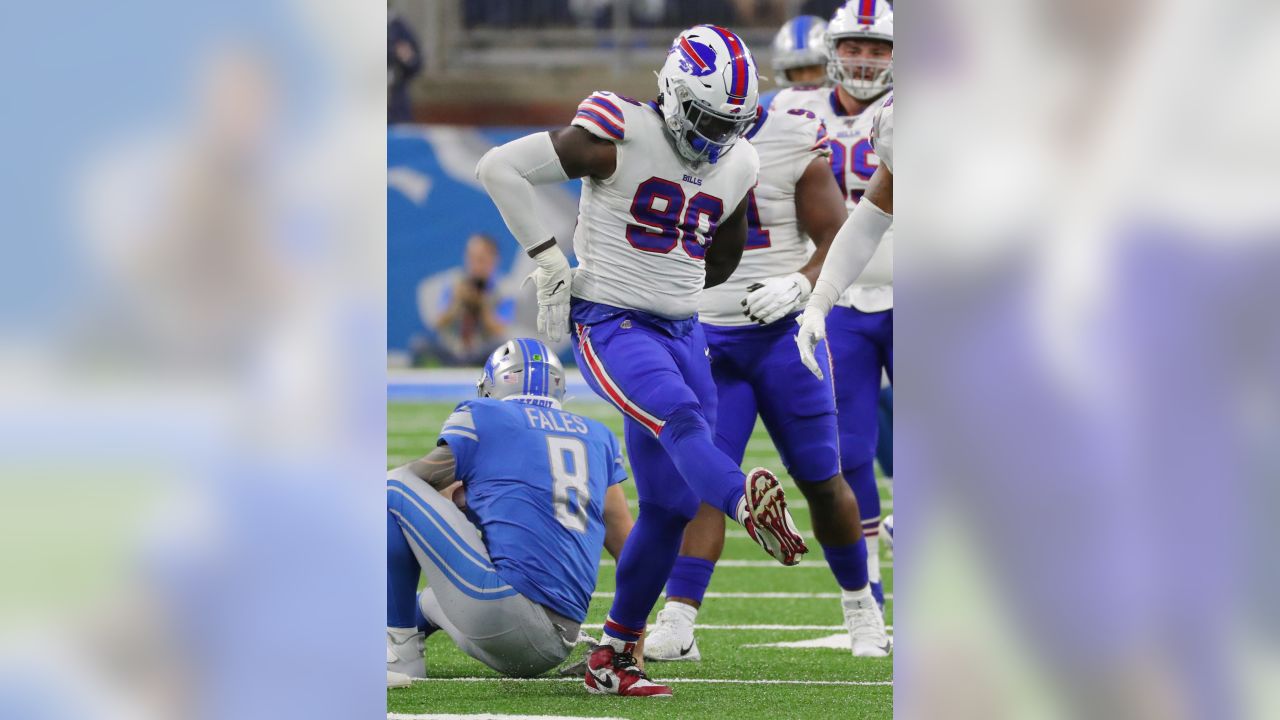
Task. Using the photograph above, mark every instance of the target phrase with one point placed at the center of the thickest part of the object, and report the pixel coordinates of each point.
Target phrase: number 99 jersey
(643, 233)
(787, 142)
(854, 161)
(535, 480)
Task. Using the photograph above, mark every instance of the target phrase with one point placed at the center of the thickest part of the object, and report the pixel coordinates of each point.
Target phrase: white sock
(873, 558)
(684, 610)
(401, 635)
(853, 599)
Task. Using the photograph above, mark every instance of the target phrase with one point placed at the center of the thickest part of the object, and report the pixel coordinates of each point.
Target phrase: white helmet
(869, 19)
(709, 92)
(801, 42)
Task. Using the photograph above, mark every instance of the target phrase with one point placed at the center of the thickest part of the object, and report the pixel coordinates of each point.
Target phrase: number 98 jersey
(787, 142)
(854, 161)
(535, 480)
(643, 233)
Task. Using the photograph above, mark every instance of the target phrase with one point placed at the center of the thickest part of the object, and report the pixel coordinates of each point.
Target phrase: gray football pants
(465, 597)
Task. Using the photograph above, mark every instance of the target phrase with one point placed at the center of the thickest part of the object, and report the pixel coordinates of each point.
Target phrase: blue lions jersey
(535, 480)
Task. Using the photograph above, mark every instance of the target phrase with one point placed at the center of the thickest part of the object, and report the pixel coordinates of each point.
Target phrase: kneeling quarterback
(511, 558)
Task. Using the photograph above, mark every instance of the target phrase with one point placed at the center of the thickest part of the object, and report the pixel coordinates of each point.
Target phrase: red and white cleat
(614, 672)
(767, 520)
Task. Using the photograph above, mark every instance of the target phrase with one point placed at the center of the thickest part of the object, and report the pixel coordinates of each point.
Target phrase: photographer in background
(475, 318)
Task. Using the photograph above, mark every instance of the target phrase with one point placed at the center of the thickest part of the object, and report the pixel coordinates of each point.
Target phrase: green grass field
(732, 678)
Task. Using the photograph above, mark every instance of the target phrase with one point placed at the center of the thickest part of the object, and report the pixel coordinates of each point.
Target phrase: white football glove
(553, 280)
(813, 329)
(776, 297)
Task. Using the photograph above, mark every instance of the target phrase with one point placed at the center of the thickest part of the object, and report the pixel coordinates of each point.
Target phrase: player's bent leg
(635, 369)
(671, 637)
(857, 343)
(486, 617)
(405, 660)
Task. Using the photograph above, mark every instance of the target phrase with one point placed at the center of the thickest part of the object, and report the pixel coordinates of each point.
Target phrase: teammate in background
(512, 584)
(663, 214)
(799, 55)
(854, 245)
(750, 326)
(859, 44)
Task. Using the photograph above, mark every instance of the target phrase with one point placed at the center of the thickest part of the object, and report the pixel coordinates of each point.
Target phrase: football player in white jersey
(853, 247)
(750, 326)
(663, 214)
(860, 328)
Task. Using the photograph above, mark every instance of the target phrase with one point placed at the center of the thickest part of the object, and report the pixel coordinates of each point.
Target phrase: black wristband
(538, 249)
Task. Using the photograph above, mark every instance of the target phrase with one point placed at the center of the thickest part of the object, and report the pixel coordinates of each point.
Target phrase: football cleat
(405, 660)
(886, 527)
(867, 633)
(614, 672)
(671, 637)
(767, 520)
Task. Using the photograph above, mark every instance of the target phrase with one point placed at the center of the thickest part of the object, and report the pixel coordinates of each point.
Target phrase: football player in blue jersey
(507, 517)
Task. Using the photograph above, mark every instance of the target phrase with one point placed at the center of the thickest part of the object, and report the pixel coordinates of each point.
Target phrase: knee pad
(685, 421)
(675, 511)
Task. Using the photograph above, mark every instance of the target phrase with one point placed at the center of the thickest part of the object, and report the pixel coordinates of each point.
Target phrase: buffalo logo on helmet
(696, 58)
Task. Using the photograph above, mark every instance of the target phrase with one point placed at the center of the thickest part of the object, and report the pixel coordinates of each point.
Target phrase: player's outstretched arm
(856, 241)
(820, 210)
(726, 246)
(508, 173)
(617, 520)
(850, 252)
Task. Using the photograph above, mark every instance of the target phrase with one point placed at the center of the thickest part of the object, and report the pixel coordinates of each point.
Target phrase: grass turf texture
(411, 431)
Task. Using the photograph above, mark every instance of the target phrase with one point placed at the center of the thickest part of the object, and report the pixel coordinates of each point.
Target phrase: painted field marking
(839, 641)
(680, 681)
(491, 716)
(889, 628)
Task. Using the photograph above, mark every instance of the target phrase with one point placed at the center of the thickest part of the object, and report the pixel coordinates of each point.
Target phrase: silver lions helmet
(801, 42)
(523, 369)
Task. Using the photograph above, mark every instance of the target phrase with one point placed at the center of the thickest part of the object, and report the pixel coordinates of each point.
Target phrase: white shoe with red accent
(614, 672)
(764, 514)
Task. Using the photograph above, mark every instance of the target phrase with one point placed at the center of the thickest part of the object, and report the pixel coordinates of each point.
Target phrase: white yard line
(598, 626)
(490, 716)
(759, 595)
(675, 681)
(609, 562)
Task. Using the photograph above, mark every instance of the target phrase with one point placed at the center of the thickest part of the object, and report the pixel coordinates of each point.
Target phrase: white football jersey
(643, 233)
(882, 133)
(853, 160)
(786, 141)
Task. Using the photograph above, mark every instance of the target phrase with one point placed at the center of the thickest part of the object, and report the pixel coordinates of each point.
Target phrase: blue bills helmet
(801, 42)
(523, 369)
(710, 89)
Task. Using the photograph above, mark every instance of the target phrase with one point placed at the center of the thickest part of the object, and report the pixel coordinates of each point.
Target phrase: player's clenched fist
(813, 329)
